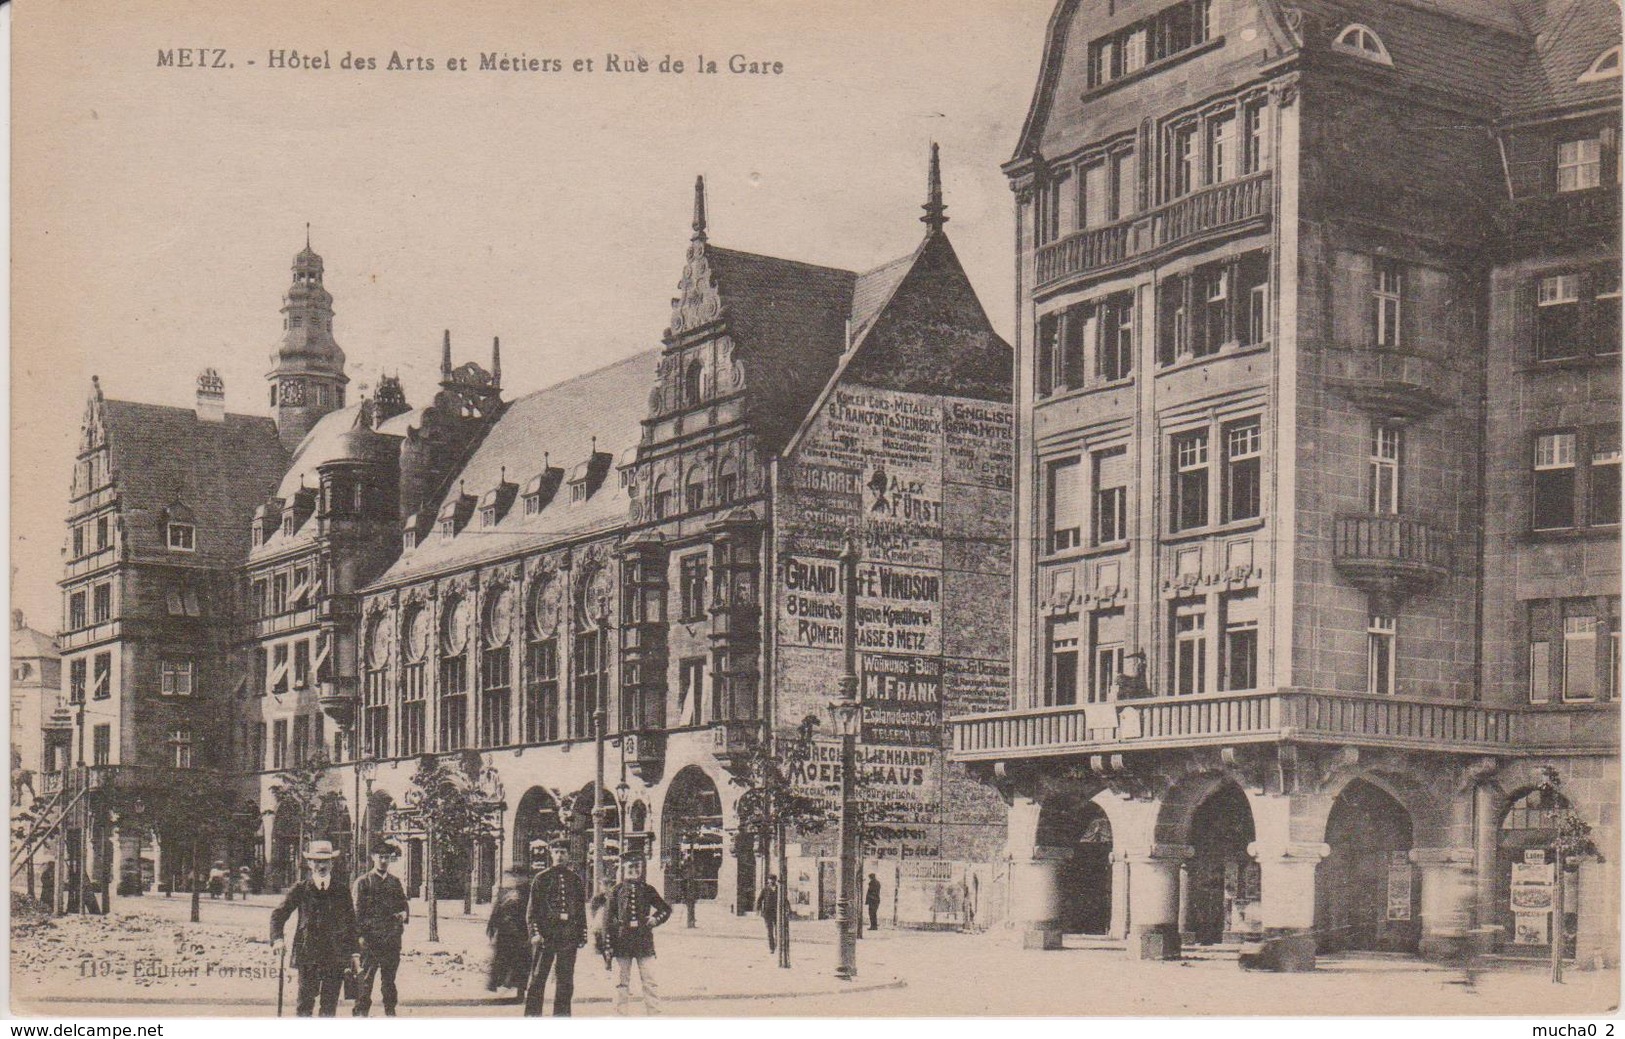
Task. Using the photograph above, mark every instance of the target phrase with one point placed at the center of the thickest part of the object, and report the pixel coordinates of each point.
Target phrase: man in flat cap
(557, 920)
(325, 942)
(381, 913)
(635, 909)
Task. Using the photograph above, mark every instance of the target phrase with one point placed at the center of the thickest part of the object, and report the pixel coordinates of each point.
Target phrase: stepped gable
(221, 471)
(560, 427)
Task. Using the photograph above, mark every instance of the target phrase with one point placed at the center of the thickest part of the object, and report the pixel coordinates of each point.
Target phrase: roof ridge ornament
(699, 208)
(935, 212)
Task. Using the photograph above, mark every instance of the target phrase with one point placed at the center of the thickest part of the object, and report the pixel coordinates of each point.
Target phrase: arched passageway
(1366, 895)
(1223, 880)
(1076, 834)
(691, 827)
(535, 819)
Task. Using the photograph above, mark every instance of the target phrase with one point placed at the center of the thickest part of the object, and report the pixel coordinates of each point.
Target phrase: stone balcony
(1335, 719)
(1233, 207)
(1392, 555)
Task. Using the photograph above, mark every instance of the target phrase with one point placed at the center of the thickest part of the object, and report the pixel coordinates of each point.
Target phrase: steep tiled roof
(562, 423)
(162, 456)
(1568, 36)
(788, 322)
(27, 643)
(874, 290)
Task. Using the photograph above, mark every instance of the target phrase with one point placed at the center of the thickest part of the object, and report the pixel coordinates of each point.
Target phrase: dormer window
(1362, 42)
(287, 525)
(182, 537)
(1605, 67)
(488, 516)
(578, 492)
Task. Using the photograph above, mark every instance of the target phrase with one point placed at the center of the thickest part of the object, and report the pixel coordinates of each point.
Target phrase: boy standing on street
(381, 914)
(635, 909)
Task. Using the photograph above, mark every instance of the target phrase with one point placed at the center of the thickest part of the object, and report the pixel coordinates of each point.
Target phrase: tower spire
(496, 360)
(935, 212)
(699, 208)
(307, 234)
(445, 355)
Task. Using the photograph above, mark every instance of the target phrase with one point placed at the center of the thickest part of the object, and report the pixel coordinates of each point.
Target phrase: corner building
(1318, 411)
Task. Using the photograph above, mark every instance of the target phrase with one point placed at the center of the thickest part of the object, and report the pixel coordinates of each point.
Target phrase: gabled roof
(26, 643)
(563, 424)
(1568, 36)
(163, 456)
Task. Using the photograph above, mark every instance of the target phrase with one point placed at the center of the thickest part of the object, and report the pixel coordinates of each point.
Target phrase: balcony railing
(1390, 554)
(1237, 718)
(1223, 207)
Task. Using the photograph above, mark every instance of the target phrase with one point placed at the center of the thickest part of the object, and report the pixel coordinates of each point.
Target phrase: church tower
(307, 369)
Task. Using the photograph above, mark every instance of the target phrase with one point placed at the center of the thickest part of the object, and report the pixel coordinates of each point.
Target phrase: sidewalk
(147, 953)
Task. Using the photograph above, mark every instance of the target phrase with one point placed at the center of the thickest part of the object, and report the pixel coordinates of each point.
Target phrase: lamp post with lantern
(846, 715)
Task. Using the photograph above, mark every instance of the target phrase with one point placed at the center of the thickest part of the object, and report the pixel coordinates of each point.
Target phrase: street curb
(878, 986)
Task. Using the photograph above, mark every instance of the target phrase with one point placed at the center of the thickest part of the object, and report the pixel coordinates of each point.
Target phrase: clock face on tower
(293, 392)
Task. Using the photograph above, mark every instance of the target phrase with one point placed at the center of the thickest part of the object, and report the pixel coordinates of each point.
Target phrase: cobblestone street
(150, 961)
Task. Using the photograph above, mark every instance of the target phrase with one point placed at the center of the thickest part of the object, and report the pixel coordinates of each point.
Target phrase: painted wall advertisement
(899, 607)
(898, 790)
(902, 700)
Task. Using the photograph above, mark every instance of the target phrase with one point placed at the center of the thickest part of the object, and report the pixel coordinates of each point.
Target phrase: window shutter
(1111, 468)
(1068, 495)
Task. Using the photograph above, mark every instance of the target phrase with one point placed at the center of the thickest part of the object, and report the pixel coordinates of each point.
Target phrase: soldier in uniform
(557, 919)
(381, 913)
(325, 942)
(634, 910)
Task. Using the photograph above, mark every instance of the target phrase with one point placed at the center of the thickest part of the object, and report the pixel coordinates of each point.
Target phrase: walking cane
(281, 977)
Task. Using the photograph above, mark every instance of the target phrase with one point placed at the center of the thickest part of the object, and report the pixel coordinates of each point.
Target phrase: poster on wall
(898, 792)
(899, 607)
(1399, 887)
(902, 700)
(1531, 888)
(1530, 928)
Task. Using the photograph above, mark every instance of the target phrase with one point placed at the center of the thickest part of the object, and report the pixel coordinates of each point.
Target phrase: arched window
(1526, 813)
(1363, 42)
(694, 490)
(660, 500)
(693, 376)
(1605, 67)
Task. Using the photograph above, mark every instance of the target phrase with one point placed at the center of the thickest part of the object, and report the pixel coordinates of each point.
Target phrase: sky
(157, 210)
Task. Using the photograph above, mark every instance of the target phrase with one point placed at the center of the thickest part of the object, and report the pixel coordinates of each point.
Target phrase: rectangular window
(1540, 671)
(1124, 194)
(1386, 444)
(589, 683)
(279, 594)
(78, 540)
(375, 714)
(1133, 50)
(1190, 648)
(453, 702)
(1106, 642)
(261, 668)
(691, 570)
(1223, 158)
(1579, 164)
(176, 677)
(1239, 668)
(727, 488)
(1063, 662)
(542, 691)
(1184, 161)
(1554, 482)
(1243, 474)
(256, 750)
(1380, 654)
(77, 615)
(1111, 495)
(1051, 368)
(496, 698)
(279, 668)
(279, 744)
(102, 677)
(78, 681)
(1557, 318)
(1114, 351)
(1189, 505)
(414, 708)
(102, 745)
(301, 740)
(692, 705)
(182, 537)
(1254, 142)
(1579, 653)
(1163, 35)
(104, 533)
(180, 748)
(101, 608)
(1604, 477)
(1387, 292)
(301, 664)
(1605, 315)
(1065, 505)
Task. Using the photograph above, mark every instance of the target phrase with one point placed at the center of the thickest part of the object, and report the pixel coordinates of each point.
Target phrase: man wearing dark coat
(325, 942)
(635, 909)
(381, 914)
(557, 921)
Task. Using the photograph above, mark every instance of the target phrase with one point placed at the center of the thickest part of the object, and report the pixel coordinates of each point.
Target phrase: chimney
(17, 623)
(211, 397)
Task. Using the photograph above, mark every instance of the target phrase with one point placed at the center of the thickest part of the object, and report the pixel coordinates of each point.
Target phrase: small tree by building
(450, 809)
(1571, 838)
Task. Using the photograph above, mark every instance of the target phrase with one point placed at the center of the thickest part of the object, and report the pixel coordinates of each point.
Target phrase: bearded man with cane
(324, 944)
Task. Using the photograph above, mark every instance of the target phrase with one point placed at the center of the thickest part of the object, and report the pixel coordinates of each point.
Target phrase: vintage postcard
(1014, 507)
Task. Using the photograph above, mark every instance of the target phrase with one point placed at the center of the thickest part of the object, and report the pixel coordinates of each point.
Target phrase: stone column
(1447, 876)
(1119, 925)
(1486, 843)
(1153, 901)
(1186, 936)
(1035, 895)
(1287, 908)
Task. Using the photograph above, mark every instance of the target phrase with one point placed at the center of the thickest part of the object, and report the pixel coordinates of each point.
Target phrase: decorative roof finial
(307, 234)
(699, 208)
(496, 360)
(935, 212)
(445, 355)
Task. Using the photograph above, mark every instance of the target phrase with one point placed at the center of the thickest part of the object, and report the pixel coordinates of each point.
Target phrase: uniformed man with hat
(557, 921)
(381, 913)
(635, 909)
(325, 942)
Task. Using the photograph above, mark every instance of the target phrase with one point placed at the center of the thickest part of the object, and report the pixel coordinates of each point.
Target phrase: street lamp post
(600, 720)
(364, 768)
(845, 714)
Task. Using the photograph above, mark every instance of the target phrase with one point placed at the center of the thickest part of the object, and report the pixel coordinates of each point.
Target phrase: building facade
(578, 597)
(1317, 547)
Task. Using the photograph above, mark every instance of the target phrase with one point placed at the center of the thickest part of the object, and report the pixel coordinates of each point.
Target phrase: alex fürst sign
(899, 607)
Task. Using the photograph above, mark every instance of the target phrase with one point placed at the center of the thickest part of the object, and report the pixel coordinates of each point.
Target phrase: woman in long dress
(510, 943)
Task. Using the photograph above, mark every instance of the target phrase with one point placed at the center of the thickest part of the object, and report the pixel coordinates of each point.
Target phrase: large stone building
(1318, 495)
(624, 576)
